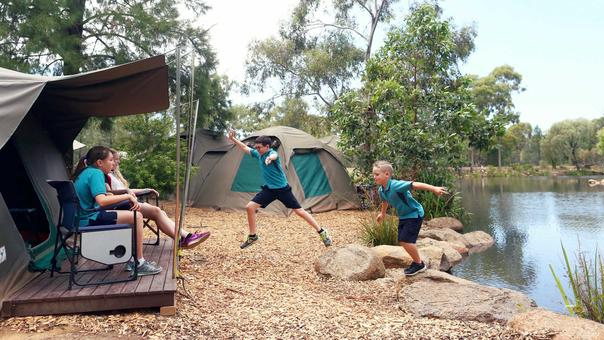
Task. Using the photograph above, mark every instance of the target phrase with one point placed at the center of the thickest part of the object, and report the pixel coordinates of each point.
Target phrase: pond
(528, 217)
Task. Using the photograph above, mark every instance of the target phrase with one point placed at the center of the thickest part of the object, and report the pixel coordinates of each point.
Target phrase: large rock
(479, 241)
(447, 235)
(440, 295)
(352, 262)
(393, 256)
(564, 327)
(444, 222)
(451, 256)
(432, 257)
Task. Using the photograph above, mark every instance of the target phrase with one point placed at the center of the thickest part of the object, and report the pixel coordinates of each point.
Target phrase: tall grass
(377, 234)
(586, 282)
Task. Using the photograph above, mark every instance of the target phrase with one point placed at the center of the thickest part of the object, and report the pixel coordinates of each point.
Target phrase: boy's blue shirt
(394, 192)
(89, 184)
(273, 174)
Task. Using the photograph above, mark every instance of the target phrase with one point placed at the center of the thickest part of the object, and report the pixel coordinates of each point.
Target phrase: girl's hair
(117, 171)
(384, 166)
(94, 154)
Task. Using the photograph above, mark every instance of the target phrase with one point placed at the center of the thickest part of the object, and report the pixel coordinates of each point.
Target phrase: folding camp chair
(143, 196)
(105, 244)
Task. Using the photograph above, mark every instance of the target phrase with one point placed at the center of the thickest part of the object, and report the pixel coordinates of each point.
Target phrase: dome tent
(228, 177)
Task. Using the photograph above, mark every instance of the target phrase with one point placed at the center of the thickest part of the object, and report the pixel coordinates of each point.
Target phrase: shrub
(587, 282)
(376, 234)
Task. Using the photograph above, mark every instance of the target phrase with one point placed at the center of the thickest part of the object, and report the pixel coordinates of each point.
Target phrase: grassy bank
(530, 170)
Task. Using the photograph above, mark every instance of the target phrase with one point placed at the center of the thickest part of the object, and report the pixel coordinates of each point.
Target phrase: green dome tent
(228, 178)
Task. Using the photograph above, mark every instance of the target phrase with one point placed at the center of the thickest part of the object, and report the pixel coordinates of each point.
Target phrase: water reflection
(528, 217)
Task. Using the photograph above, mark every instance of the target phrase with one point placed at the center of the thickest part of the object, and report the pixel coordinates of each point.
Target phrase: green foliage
(68, 37)
(150, 147)
(376, 234)
(291, 112)
(318, 53)
(587, 285)
(420, 108)
(565, 139)
(447, 205)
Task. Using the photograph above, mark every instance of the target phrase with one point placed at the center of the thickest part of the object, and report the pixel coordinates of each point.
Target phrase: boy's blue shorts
(284, 195)
(408, 229)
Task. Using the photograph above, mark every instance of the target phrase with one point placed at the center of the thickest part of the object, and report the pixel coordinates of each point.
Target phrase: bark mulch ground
(269, 290)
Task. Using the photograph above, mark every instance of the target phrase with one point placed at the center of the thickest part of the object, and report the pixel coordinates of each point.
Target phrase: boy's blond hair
(384, 166)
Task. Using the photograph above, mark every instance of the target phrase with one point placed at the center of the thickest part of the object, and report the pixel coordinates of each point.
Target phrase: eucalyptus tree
(566, 138)
(493, 99)
(415, 107)
(320, 51)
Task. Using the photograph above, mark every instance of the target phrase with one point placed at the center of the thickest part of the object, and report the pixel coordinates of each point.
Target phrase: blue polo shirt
(273, 174)
(89, 184)
(398, 194)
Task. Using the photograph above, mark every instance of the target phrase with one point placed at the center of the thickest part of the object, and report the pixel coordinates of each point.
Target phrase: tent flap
(311, 174)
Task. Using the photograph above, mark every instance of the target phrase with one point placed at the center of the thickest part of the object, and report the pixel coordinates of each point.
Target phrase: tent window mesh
(311, 174)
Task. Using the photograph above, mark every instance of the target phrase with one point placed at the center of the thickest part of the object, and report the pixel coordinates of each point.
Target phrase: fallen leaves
(269, 290)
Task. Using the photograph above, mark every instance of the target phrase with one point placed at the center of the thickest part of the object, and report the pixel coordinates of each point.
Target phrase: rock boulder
(352, 263)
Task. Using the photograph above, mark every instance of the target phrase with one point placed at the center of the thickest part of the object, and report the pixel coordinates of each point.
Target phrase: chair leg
(53, 261)
(153, 230)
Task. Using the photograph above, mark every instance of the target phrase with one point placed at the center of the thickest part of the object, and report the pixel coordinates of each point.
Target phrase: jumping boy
(410, 212)
(275, 188)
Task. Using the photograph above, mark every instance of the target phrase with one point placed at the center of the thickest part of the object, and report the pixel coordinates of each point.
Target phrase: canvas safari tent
(228, 178)
(39, 119)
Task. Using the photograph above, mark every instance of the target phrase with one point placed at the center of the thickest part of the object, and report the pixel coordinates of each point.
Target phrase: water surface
(528, 217)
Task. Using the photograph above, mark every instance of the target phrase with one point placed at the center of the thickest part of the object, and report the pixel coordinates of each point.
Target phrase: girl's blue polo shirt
(398, 194)
(89, 184)
(273, 174)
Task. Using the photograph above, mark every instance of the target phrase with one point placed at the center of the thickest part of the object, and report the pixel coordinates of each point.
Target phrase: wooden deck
(49, 295)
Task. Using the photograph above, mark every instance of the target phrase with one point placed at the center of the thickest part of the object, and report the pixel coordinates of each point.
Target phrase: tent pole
(175, 272)
(190, 151)
(189, 124)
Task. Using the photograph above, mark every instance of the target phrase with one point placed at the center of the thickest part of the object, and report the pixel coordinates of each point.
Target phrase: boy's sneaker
(325, 237)
(415, 268)
(130, 265)
(148, 268)
(249, 241)
(193, 240)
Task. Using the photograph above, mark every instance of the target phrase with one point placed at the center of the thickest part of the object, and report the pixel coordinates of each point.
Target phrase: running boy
(275, 188)
(410, 212)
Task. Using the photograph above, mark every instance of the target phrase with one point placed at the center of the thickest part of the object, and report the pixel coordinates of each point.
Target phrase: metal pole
(190, 130)
(175, 272)
(191, 150)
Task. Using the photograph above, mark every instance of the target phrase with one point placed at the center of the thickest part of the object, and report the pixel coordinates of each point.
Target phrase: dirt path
(269, 290)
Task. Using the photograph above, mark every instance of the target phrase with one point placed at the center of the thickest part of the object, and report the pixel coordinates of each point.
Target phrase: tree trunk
(72, 53)
(499, 156)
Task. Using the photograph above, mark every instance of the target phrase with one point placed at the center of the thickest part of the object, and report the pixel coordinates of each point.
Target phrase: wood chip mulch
(269, 290)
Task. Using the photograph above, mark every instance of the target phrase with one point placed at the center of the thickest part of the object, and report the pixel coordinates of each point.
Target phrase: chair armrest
(91, 228)
(114, 206)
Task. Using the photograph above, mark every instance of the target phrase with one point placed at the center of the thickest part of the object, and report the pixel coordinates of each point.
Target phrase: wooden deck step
(47, 295)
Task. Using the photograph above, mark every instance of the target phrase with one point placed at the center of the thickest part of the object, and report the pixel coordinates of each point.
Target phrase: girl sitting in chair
(117, 183)
(89, 182)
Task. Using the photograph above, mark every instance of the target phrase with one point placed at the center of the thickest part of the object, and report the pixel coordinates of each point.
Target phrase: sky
(557, 46)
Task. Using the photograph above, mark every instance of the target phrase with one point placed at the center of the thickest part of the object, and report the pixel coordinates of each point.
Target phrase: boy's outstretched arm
(239, 144)
(438, 191)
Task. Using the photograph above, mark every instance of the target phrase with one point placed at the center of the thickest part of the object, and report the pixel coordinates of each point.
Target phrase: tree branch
(319, 24)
